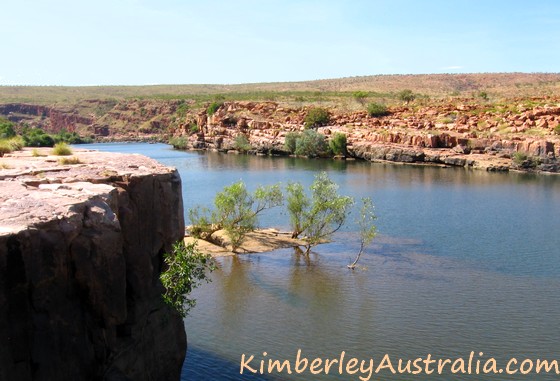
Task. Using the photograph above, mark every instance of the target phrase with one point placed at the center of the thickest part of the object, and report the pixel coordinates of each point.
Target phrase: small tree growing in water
(236, 211)
(368, 231)
(321, 215)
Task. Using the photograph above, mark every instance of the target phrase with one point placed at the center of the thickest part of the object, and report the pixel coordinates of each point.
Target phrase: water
(465, 261)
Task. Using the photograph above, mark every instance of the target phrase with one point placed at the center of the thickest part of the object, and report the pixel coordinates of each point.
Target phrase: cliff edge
(81, 250)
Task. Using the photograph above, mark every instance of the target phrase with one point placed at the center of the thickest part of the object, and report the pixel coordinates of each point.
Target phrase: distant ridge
(502, 84)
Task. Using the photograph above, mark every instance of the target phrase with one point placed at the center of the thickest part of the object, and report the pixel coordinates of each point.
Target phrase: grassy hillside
(496, 85)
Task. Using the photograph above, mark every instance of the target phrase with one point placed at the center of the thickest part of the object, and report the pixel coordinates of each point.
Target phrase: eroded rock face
(80, 256)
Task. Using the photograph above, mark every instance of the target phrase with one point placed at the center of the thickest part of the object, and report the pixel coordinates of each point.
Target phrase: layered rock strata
(81, 250)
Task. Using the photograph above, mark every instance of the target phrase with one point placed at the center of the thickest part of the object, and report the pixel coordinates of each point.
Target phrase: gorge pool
(464, 261)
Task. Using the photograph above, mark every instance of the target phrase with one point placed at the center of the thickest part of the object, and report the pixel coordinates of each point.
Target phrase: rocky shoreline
(469, 140)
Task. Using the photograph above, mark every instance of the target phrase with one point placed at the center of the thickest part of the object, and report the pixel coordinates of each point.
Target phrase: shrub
(15, 143)
(290, 141)
(311, 144)
(179, 142)
(61, 149)
(69, 161)
(519, 158)
(193, 128)
(241, 143)
(557, 130)
(4, 148)
(360, 96)
(6, 129)
(483, 95)
(186, 268)
(337, 144)
(35, 137)
(70, 138)
(377, 110)
(406, 96)
(213, 107)
(316, 117)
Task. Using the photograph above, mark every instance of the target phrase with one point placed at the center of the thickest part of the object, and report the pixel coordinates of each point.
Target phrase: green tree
(236, 211)
(186, 268)
(290, 141)
(406, 96)
(322, 215)
(311, 144)
(368, 230)
(316, 117)
(337, 144)
(360, 96)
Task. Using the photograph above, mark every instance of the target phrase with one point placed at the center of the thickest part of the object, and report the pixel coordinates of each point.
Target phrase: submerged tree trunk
(353, 264)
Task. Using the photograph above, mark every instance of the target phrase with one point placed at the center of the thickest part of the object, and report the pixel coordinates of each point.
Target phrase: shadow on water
(201, 365)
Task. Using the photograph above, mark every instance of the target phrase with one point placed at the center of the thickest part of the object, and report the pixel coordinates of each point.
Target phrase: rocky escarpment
(81, 251)
(514, 136)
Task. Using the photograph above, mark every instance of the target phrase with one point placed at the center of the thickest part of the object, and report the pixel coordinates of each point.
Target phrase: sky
(142, 42)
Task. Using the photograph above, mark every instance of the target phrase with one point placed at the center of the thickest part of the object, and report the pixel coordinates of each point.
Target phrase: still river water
(465, 261)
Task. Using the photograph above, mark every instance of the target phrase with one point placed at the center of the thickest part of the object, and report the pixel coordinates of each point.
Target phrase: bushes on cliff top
(213, 107)
(377, 110)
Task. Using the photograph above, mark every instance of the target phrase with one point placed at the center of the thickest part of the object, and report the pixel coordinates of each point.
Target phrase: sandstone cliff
(80, 256)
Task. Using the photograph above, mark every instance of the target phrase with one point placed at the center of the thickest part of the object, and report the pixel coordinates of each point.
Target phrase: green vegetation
(377, 110)
(406, 96)
(313, 218)
(360, 96)
(6, 129)
(236, 211)
(69, 161)
(368, 230)
(519, 157)
(557, 130)
(70, 138)
(241, 143)
(316, 117)
(213, 107)
(36, 137)
(337, 144)
(4, 148)
(290, 141)
(186, 268)
(483, 95)
(179, 142)
(61, 149)
(311, 144)
(321, 215)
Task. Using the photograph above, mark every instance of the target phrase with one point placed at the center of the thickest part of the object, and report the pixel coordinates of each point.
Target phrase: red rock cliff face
(80, 257)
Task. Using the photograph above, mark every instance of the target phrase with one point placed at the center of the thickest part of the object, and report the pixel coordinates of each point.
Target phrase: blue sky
(135, 42)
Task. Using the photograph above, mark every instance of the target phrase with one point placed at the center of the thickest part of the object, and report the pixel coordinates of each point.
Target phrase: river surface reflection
(465, 261)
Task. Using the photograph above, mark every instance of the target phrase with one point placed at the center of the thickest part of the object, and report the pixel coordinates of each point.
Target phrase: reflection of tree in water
(235, 292)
